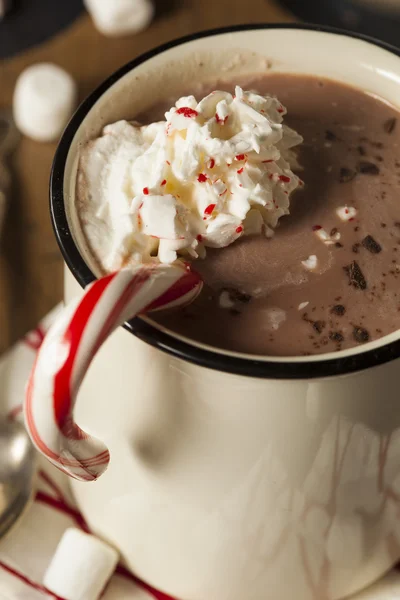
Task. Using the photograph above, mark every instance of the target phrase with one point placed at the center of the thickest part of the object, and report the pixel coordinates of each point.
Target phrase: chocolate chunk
(361, 151)
(334, 231)
(338, 245)
(361, 335)
(368, 168)
(346, 175)
(356, 248)
(319, 326)
(330, 136)
(356, 277)
(335, 336)
(390, 125)
(356, 228)
(338, 309)
(237, 295)
(371, 245)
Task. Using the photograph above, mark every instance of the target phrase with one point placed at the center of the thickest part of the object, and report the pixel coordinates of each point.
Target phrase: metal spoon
(17, 470)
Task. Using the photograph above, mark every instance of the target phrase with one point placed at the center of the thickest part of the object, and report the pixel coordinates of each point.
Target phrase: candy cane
(69, 347)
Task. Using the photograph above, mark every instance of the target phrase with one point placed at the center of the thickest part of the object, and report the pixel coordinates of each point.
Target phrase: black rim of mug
(285, 369)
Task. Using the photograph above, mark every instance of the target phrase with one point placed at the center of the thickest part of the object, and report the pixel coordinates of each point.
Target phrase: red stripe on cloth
(61, 506)
(34, 586)
(72, 338)
(123, 572)
(52, 484)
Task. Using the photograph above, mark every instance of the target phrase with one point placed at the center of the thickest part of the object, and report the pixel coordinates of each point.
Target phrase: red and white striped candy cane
(69, 347)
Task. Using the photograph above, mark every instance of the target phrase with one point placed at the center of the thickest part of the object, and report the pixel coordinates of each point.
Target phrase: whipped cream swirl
(213, 171)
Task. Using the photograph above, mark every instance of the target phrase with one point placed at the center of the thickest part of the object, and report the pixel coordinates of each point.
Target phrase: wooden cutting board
(30, 263)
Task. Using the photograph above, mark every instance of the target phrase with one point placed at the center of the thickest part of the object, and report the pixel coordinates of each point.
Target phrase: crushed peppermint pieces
(187, 112)
(209, 209)
(346, 213)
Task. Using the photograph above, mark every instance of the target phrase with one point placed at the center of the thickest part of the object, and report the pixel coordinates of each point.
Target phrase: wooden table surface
(30, 263)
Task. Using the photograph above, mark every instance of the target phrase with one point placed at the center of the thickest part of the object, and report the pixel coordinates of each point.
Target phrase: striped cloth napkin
(27, 551)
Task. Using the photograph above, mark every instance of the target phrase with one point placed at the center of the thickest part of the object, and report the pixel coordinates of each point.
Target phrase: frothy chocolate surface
(259, 296)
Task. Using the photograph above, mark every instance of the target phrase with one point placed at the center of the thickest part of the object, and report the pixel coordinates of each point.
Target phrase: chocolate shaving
(361, 335)
(390, 125)
(338, 245)
(319, 326)
(237, 296)
(371, 245)
(346, 175)
(356, 277)
(361, 151)
(334, 231)
(330, 136)
(338, 309)
(335, 336)
(368, 168)
(356, 248)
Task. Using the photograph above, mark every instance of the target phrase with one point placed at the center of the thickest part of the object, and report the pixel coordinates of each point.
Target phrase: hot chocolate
(327, 279)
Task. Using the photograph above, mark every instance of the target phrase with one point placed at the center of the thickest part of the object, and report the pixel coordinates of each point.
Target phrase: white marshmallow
(81, 566)
(120, 17)
(225, 300)
(324, 236)
(45, 97)
(302, 305)
(310, 263)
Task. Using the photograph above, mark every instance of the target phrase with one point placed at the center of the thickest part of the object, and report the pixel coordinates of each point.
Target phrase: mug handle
(70, 346)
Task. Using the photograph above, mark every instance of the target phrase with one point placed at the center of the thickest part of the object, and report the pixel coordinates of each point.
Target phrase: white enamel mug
(235, 477)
